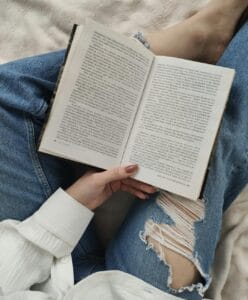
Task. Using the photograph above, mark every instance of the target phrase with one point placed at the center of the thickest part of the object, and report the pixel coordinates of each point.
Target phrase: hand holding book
(118, 104)
(94, 188)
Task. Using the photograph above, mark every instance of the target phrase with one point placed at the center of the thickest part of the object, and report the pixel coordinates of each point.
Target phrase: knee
(183, 272)
(174, 243)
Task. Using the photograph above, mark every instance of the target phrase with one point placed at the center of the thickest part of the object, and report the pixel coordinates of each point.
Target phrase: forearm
(28, 248)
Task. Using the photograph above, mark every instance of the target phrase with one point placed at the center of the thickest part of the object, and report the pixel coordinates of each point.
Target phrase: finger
(116, 174)
(133, 191)
(138, 185)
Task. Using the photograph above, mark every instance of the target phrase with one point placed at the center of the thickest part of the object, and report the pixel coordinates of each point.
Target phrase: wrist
(74, 192)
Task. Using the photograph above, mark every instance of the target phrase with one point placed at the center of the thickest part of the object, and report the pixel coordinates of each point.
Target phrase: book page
(97, 97)
(177, 123)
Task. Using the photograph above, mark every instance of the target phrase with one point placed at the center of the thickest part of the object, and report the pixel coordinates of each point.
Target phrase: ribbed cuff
(58, 225)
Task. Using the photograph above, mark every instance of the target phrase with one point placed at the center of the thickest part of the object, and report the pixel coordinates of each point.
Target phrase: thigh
(227, 175)
(28, 178)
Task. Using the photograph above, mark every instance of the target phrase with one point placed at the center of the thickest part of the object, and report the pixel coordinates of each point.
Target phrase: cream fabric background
(30, 27)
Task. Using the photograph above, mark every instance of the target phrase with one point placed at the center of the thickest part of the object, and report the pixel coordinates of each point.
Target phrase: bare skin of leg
(203, 37)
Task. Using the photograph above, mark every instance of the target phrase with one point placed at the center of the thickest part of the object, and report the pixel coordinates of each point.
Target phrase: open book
(118, 104)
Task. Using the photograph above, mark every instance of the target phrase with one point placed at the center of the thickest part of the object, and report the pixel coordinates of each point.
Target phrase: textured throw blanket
(30, 27)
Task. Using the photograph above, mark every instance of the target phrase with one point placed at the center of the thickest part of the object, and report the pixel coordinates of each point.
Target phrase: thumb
(117, 173)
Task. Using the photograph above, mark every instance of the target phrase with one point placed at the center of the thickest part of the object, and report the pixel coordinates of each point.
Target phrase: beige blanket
(31, 27)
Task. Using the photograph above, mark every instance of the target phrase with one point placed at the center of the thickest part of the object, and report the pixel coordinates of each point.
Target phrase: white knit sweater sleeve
(28, 249)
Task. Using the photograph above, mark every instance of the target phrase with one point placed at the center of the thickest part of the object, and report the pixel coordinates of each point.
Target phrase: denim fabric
(227, 176)
(27, 178)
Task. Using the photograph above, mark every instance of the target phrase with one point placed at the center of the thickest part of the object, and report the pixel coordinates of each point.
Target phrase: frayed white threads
(178, 237)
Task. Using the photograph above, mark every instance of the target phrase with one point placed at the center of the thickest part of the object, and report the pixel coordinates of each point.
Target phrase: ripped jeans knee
(174, 243)
(167, 242)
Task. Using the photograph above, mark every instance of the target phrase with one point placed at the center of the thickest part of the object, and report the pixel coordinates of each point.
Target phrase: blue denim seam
(42, 109)
(34, 156)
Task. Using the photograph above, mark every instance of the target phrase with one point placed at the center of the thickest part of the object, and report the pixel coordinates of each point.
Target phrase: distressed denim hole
(177, 240)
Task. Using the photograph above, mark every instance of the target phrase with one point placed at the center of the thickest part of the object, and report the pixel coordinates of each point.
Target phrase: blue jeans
(27, 177)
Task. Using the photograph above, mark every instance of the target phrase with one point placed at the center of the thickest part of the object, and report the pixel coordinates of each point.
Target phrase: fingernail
(131, 168)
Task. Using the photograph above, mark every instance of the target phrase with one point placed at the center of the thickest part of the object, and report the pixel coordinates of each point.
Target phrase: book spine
(74, 28)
